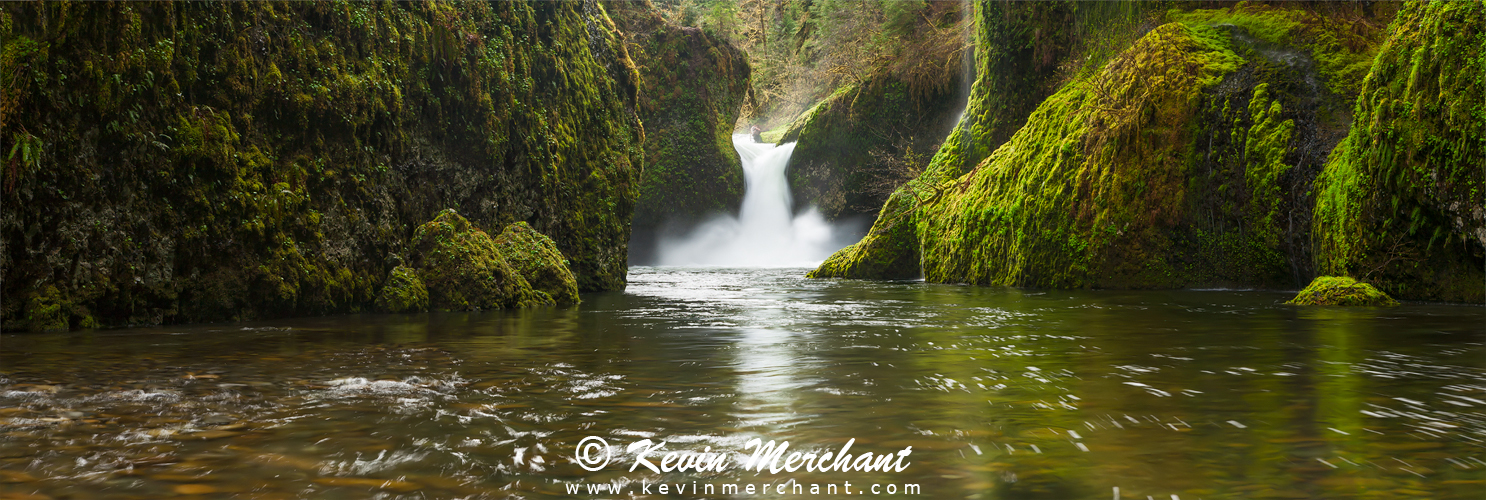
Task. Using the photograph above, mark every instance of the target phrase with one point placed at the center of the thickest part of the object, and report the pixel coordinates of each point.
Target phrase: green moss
(1086, 193)
(219, 161)
(464, 270)
(536, 257)
(888, 251)
(403, 292)
(838, 140)
(1341, 291)
(48, 311)
(1021, 50)
(1265, 146)
(1399, 201)
(691, 88)
(1181, 159)
(1342, 40)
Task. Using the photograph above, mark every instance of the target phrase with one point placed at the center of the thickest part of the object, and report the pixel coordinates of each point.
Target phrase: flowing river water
(999, 393)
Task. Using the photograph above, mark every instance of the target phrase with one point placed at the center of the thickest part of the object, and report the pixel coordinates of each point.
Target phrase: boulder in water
(464, 271)
(1341, 291)
(404, 292)
(539, 261)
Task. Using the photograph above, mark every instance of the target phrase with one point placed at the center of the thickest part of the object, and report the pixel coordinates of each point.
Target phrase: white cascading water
(765, 233)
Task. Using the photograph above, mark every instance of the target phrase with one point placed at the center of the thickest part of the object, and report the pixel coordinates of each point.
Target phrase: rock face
(184, 161)
(850, 143)
(536, 257)
(1341, 291)
(1400, 200)
(845, 142)
(1019, 47)
(1186, 159)
(692, 86)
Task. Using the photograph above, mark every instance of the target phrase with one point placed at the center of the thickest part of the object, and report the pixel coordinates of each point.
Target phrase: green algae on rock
(691, 88)
(403, 292)
(1341, 291)
(464, 270)
(203, 161)
(536, 257)
(1400, 199)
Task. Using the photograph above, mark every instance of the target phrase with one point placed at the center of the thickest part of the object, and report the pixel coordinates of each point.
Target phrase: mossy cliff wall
(199, 161)
(1019, 50)
(1402, 201)
(1182, 161)
(843, 141)
(692, 85)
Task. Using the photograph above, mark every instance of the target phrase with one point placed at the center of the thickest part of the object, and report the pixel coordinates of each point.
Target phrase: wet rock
(217, 419)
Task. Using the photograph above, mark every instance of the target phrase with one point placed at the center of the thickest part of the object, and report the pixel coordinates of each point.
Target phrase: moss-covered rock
(692, 85)
(1181, 160)
(190, 161)
(853, 140)
(536, 257)
(1342, 39)
(1400, 199)
(464, 270)
(888, 251)
(1341, 291)
(1085, 193)
(403, 292)
(1021, 49)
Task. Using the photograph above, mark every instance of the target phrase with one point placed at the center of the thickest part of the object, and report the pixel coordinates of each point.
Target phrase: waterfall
(765, 233)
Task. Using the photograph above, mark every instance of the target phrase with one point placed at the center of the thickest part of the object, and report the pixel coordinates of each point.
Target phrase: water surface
(1001, 393)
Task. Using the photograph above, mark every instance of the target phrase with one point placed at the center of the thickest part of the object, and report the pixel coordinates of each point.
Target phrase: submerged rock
(1341, 291)
(464, 271)
(537, 258)
(403, 293)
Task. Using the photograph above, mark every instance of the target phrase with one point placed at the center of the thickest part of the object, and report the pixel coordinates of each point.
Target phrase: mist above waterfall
(765, 233)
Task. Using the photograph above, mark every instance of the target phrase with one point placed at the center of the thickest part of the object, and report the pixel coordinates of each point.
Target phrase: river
(994, 393)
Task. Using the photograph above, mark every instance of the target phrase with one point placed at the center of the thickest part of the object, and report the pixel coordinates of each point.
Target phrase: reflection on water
(1000, 393)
